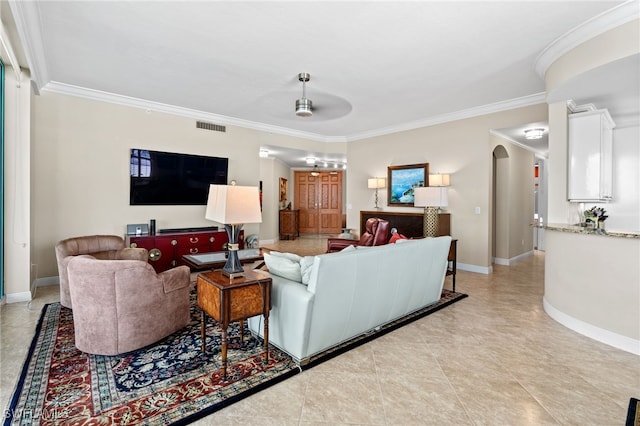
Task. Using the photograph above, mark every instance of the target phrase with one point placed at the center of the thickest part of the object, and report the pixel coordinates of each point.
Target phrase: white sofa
(352, 292)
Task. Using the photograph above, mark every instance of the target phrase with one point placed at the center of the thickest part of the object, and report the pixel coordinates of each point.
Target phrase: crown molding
(608, 20)
(98, 95)
(25, 12)
(535, 99)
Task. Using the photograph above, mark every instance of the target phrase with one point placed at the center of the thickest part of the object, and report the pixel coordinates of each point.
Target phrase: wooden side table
(227, 300)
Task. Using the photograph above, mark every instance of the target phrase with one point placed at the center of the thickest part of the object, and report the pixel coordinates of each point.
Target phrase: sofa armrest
(175, 278)
(289, 320)
(338, 244)
(128, 253)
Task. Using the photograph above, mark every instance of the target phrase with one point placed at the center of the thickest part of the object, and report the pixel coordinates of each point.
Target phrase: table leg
(266, 300)
(241, 330)
(224, 350)
(266, 337)
(203, 332)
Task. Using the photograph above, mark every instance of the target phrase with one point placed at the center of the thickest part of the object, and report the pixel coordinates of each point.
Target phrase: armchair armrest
(175, 278)
(128, 253)
(337, 244)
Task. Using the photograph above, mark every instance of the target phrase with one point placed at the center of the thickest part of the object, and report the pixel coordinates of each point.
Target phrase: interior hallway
(494, 358)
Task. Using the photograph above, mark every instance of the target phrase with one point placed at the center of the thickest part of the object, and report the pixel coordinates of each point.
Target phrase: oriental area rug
(168, 383)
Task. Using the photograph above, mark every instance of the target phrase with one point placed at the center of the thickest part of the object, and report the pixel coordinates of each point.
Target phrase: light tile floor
(494, 358)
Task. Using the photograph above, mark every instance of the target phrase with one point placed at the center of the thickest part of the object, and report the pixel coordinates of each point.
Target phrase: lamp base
(233, 268)
(430, 224)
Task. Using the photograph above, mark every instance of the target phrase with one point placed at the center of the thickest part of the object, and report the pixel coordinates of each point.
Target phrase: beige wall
(461, 148)
(271, 170)
(80, 176)
(593, 282)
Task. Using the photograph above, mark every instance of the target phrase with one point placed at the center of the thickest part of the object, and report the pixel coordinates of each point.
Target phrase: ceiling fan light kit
(304, 105)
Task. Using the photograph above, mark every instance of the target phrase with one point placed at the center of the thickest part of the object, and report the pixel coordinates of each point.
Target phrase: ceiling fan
(314, 105)
(304, 105)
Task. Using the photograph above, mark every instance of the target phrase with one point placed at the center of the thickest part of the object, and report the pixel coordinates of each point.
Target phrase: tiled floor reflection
(495, 358)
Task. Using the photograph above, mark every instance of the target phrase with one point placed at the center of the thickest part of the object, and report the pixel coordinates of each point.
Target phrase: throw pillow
(348, 248)
(306, 267)
(290, 256)
(395, 237)
(283, 266)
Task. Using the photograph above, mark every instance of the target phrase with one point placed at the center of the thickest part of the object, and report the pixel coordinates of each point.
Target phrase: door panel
(319, 199)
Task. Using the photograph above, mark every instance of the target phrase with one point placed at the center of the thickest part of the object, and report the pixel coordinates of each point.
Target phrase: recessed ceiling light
(310, 160)
(534, 133)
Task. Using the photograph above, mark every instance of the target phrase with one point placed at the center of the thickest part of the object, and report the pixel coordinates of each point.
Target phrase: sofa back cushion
(360, 290)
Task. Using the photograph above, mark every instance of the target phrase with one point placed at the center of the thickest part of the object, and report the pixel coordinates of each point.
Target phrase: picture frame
(401, 181)
(283, 190)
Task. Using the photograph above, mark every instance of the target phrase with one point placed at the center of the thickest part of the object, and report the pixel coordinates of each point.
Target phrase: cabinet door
(590, 157)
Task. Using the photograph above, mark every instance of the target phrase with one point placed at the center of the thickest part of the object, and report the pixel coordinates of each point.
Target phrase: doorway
(318, 197)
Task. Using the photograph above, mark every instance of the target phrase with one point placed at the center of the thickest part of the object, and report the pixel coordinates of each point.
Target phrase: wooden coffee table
(227, 300)
(218, 259)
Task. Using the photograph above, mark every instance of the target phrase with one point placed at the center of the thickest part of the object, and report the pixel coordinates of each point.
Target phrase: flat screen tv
(166, 178)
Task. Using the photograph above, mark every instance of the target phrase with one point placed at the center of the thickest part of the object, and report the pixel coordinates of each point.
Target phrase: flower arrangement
(594, 216)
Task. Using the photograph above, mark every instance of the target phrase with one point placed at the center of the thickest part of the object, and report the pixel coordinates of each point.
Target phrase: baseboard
(511, 261)
(607, 337)
(474, 268)
(24, 296)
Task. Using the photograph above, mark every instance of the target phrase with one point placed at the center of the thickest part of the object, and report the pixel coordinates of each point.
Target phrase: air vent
(210, 126)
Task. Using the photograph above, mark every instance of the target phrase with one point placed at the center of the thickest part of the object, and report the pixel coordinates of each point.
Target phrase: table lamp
(431, 198)
(376, 183)
(233, 206)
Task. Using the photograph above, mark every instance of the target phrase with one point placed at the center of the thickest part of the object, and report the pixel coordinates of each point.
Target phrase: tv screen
(165, 178)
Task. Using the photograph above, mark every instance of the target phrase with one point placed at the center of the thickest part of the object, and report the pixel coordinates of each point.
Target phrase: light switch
(477, 210)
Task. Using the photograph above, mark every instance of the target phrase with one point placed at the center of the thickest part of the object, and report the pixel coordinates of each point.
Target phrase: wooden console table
(407, 223)
(227, 300)
(411, 225)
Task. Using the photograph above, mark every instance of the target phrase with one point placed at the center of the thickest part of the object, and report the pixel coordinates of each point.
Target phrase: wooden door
(319, 199)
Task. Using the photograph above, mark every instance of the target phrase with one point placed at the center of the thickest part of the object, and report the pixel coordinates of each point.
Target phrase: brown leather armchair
(376, 234)
(123, 305)
(98, 246)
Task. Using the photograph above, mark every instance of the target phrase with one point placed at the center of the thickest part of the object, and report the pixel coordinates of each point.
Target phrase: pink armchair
(376, 234)
(123, 305)
(98, 246)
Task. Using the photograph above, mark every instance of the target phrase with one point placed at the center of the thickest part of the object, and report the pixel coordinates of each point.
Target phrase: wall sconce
(376, 183)
(432, 198)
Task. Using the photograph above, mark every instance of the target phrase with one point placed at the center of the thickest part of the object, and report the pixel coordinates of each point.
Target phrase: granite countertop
(564, 227)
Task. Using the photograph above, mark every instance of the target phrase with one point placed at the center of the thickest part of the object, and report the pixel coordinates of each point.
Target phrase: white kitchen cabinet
(590, 168)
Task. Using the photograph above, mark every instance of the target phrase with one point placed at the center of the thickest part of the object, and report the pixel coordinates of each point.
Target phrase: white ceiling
(376, 67)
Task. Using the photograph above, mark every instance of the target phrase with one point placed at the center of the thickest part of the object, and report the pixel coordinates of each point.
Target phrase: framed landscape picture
(402, 180)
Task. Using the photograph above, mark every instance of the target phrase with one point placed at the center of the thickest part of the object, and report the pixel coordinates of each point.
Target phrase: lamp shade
(439, 180)
(233, 205)
(430, 196)
(376, 183)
